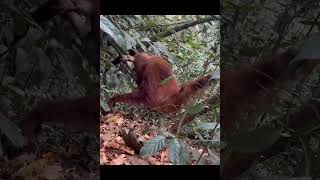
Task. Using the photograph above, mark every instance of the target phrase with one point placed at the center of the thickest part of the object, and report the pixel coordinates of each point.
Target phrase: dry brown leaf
(119, 160)
(119, 121)
(153, 161)
(126, 150)
(164, 155)
(103, 158)
(136, 161)
(147, 137)
(103, 126)
(114, 119)
(119, 140)
(113, 145)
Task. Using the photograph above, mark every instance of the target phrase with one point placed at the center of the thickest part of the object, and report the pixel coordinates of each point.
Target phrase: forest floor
(114, 150)
(68, 155)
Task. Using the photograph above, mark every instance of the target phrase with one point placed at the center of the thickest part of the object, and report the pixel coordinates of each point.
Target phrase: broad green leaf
(162, 48)
(216, 75)
(116, 35)
(104, 105)
(146, 39)
(255, 141)
(144, 48)
(193, 44)
(130, 42)
(13, 133)
(195, 108)
(178, 152)
(153, 146)
(206, 126)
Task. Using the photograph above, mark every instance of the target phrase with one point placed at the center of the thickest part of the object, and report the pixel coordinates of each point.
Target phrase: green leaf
(130, 42)
(153, 146)
(206, 126)
(255, 141)
(13, 133)
(144, 48)
(193, 44)
(162, 48)
(166, 80)
(104, 105)
(114, 34)
(195, 108)
(178, 153)
(215, 75)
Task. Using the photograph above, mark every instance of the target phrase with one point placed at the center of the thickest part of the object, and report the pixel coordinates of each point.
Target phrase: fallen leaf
(119, 160)
(136, 161)
(103, 158)
(164, 155)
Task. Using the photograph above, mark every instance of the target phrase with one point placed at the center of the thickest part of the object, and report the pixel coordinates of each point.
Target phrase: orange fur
(168, 97)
